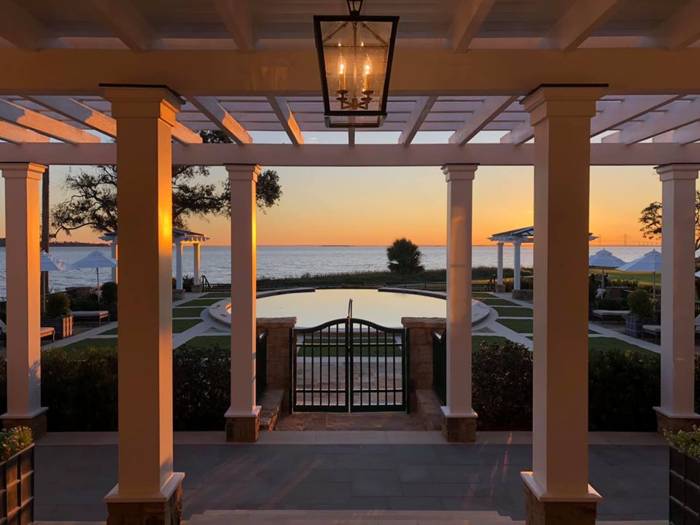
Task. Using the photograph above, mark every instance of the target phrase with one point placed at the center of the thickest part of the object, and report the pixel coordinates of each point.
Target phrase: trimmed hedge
(80, 388)
(623, 388)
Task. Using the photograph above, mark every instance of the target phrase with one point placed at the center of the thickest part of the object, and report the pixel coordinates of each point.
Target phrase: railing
(206, 286)
(440, 366)
(261, 365)
(214, 287)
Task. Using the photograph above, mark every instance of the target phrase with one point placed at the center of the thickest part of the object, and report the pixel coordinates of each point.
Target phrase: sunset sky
(372, 206)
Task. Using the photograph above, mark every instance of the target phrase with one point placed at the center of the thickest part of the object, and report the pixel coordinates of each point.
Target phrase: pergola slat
(215, 112)
(489, 110)
(630, 109)
(17, 135)
(287, 119)
(15, 114)
(79, 112)
(686, 112)
(421, 110)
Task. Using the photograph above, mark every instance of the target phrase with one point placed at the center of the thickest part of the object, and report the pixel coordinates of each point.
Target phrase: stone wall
(279, 333)
(420, 348)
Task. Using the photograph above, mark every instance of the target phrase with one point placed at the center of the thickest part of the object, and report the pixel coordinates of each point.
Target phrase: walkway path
(320, 472)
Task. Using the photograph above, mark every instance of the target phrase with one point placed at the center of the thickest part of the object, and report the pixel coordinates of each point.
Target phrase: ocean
(295, 261)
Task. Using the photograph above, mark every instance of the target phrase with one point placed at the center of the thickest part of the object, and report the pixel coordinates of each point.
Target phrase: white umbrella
(51, 263)
(95, 260)
(604, 259)
(649, 262)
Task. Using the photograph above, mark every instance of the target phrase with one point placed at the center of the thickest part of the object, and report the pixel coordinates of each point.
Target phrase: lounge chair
(655, 329)
(48, 331)
(98, 315)
(618, 315)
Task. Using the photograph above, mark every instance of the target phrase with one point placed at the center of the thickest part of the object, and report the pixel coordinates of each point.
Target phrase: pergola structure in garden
(149, 74)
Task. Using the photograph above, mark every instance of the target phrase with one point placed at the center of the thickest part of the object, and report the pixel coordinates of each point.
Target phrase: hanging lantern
(355, 53)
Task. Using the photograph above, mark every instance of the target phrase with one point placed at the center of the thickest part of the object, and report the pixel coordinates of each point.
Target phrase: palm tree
(404, 257)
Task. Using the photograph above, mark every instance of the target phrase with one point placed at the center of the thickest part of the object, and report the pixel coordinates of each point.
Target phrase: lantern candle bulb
(341, 75)
(367, 71)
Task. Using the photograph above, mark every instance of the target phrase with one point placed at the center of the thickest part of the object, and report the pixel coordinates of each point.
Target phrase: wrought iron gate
(349, 365)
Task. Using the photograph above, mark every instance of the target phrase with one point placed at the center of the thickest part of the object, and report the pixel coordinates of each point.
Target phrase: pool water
(383, 308)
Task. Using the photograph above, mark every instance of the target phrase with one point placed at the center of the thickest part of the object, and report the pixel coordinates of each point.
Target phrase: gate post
(279, 374)
(419, 352)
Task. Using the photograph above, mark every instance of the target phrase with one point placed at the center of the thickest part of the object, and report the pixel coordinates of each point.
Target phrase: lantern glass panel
(356, 56)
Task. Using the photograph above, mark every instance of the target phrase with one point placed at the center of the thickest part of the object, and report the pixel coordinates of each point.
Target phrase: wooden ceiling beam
(235, 14)
(468, 18)
(579, 22)
(125, 22)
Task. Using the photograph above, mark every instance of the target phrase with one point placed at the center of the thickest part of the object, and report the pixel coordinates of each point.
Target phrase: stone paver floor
(72, 480)
(323, 421)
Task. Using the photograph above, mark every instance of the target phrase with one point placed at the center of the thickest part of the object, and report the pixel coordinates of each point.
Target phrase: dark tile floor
(322, 421)
(72, 480)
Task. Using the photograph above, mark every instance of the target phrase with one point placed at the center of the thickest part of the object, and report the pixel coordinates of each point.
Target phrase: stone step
(348, 517)
(270, 403)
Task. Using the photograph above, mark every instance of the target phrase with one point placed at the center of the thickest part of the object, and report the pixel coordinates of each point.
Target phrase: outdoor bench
(99, 315)
(618, 315)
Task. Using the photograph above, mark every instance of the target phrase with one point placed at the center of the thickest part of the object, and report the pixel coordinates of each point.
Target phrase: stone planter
(17, 488)
(684, 488)
(63, 325)
(633, 325)
(522, 295)
(178, 295)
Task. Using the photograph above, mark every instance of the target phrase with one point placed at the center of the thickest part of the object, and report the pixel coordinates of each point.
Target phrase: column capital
(561, 100)
(678, 171)
(244, 172)
(142, 101)
(22, 170)
(459, 171)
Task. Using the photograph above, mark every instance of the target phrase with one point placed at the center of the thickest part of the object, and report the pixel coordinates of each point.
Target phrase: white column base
(238, 413)
(470, 414)
(591, 496)
(669, 414)
(164, 494)
(28, 415)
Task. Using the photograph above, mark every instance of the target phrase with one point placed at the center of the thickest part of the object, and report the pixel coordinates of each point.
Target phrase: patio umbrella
(604, 259)
(51, 263)
(649, 262)
(95, 260)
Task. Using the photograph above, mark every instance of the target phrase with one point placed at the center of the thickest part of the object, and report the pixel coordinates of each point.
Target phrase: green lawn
(522, 326)
(201, 302)
(179, 326)
(498, 302)
(642, 277)
(92, 343)
(215, 295)
(514, 312)
(187, 312)
(483, 295)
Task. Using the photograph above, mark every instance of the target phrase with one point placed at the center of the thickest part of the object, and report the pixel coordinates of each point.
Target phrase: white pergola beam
(686, 112)
(78, 112)
(23, 30)
(482, 117)
(288, 73)
(287, 119)
(215, 112)
(126, 23)
(581, 21)
(469, 16)
(18, 135)
(185, 135)
(421, 110)
(679, 31)
(631, 108)
(19, 116)
(648, 154)
(235, 14)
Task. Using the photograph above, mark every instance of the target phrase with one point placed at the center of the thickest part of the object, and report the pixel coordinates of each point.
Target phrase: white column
(145, 117)
(516, 265)
(196, 252)
(499, 274)
(179, 247)
(561, 119)
(22, 213)
(678, 291)
(115, 256)
(460, 179)
(243, 179)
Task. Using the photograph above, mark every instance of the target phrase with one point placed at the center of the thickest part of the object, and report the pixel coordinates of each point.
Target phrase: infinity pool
(384, 308)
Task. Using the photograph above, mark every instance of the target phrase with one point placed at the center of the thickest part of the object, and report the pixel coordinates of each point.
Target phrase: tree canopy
(404, 257)
(651, 220)
(93, 196)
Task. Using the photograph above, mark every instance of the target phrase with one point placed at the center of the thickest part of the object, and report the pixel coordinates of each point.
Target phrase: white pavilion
(130, 82)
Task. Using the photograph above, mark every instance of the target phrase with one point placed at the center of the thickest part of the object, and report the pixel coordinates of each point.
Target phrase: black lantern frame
(354, 6)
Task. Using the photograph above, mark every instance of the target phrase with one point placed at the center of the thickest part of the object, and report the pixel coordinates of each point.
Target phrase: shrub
(686, 442)
(109, 293)
(404, 257)
(187, 283)
(13, 441)
(640, 304)
(623, 389)
(57, 305)
(502, 379)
